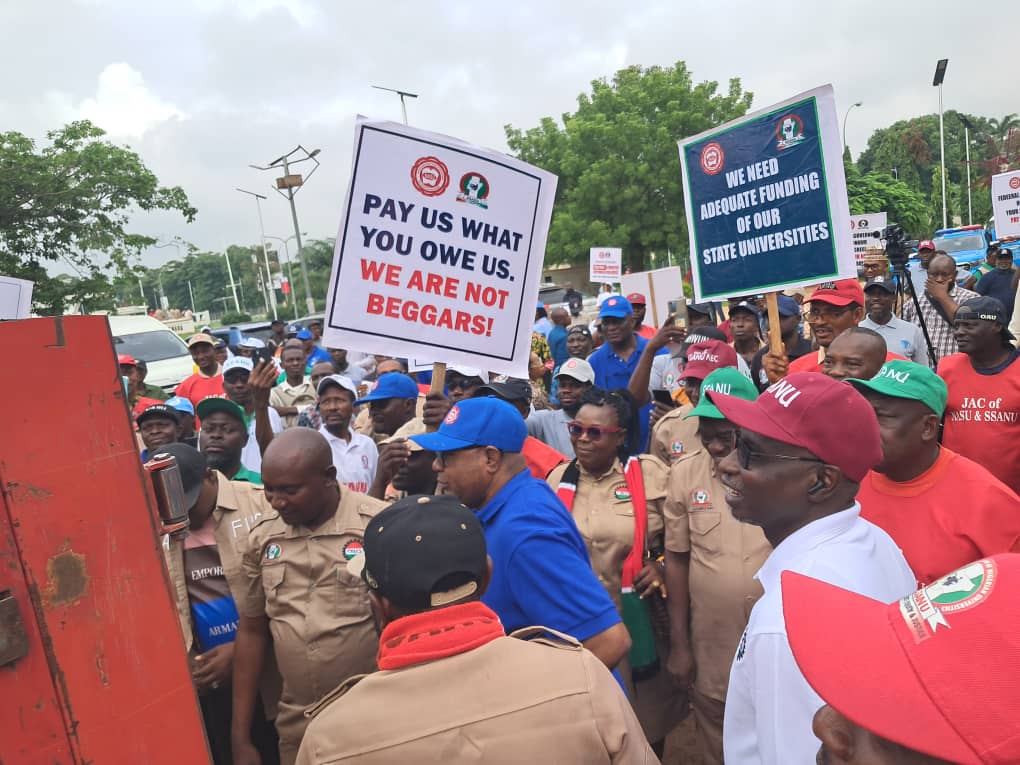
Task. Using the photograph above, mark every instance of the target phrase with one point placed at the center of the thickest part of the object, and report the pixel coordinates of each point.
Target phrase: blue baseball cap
(788, 306)
(304, 334)
(181, 405)
(616, 307)
(485, 421)
(391, 386)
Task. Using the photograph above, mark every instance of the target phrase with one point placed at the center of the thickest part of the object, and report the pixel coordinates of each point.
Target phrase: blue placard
(760, 197)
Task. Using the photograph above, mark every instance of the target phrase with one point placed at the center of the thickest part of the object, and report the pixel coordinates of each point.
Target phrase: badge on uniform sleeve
(353, 549)
(676, 447)
(621, 492)
(700, 498)
(273, 551)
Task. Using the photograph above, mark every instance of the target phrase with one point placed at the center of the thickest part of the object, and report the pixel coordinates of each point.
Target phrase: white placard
(659, 287)
(439, 252)
(1006, 203)
(605, 264)
(15, 298)
(863, 229)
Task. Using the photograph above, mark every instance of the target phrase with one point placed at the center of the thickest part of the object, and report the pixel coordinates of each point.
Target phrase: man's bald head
(560, 316)
(299, 478)
(857, 352)
(389, 366)
(942, 266)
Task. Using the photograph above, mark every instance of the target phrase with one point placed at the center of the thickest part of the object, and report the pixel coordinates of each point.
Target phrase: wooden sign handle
(775, 331)
(438, 384)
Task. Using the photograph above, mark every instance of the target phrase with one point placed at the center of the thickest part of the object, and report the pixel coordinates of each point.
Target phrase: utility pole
(265, 255)
(287, 187)
(966, 142)
(230, 275)
(940, 75)
(402, 94)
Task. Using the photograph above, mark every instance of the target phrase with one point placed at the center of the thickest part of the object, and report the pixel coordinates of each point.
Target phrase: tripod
(904, 285)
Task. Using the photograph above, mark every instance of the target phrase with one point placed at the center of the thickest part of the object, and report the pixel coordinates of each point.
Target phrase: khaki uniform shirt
(318, 612)
(239, 506)
(604, 515)
(673, 436)
(725, 556)
(286, 394)
(507, 702)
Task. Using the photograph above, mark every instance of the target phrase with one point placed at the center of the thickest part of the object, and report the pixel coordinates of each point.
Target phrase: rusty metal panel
(105, 678)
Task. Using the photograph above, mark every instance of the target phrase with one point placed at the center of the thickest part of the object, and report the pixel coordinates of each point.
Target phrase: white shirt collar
(802, 541)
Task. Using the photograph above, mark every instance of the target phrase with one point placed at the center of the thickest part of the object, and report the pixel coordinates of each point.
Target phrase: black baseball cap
(882, 283)
(511, 389)
(275, 322)
(705, 309)
(192, 465)
(579, 330)
(986, 309)
(158, 410)
(423, 552)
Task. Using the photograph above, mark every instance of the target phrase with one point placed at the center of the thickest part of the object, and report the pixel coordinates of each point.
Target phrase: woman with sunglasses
(616, 497)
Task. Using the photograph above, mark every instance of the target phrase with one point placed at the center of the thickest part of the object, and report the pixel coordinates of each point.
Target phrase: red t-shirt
(198, 386)
(952, 514)
(810, 363)
(647, 332)
(983, 416)
(541, 457)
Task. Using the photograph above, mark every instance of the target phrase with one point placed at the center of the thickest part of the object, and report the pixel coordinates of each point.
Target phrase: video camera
(897, 248)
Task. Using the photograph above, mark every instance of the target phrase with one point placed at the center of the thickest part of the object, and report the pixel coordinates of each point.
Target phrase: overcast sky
(203, 88)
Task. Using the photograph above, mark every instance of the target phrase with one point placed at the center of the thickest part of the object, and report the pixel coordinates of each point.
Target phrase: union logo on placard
(789, 131)
(430, 176)
(1014, 182)
(712, 158)
(474, 189)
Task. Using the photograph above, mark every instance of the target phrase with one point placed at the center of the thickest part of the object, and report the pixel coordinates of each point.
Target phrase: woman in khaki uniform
(616, 498)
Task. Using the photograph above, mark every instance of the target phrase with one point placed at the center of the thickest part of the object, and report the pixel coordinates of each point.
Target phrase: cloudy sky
(203, 88)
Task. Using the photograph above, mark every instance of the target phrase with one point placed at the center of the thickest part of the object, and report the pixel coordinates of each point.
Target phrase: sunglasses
(593, 432)
(745, 452)
(464, 383)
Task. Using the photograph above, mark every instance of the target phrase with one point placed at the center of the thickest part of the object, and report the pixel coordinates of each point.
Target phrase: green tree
(618, 164)
(880, 192)
(70, 201)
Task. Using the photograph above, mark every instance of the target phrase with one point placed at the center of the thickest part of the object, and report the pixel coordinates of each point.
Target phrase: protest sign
(15, 298)
(660, 287)
(439, 252)
(1006, 203)
(866, 232)
(766, 200)
(605, 264)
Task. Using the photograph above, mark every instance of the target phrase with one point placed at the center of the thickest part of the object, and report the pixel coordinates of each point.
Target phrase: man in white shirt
(902, 337)
(355, 456)
(803, 448)
(237, 374)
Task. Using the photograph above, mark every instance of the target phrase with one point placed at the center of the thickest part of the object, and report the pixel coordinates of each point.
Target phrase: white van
(149, 339)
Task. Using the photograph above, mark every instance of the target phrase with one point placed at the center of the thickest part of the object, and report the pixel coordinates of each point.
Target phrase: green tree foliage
(618, 164)
(880, 192)
(70, 201)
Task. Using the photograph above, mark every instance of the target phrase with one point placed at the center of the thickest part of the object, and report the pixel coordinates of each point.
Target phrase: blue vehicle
(1011, 243)
(968, 245)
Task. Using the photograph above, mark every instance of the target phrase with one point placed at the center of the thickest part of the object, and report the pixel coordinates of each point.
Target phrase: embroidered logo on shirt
(353, 549)
(676, 447)
(700, 498)
(273, 551)
(621, 492)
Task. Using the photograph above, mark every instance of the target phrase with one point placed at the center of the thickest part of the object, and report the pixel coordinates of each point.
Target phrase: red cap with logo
(706, 357)
(827, 417)
(839, 293)
(934, 672)
(927, 244)
(636, 298)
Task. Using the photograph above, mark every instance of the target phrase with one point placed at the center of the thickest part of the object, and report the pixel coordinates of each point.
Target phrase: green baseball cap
(905, 379)
(728, 380)
(211, 404)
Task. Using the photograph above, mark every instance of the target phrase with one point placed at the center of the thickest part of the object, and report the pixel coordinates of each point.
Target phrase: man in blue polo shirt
(616, 359)
(541, 571)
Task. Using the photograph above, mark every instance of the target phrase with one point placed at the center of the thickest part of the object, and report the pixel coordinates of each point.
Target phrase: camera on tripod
(896, 246)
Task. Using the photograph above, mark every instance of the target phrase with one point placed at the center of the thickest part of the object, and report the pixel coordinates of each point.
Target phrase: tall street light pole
(270, 292)
(402, 94)
(290, 274)
(287, 186)
(966, 142)
(940, 75)
(844, 122)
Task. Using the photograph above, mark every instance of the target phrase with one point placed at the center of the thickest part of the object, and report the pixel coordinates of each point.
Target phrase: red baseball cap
(827, 417)
(707, 356)
(636, 298)
(126, 361)
(934, 672)
(842, 292)
(926, 244)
